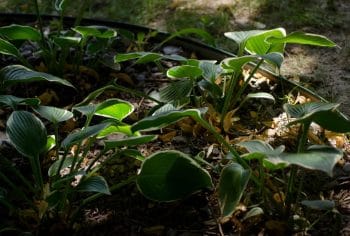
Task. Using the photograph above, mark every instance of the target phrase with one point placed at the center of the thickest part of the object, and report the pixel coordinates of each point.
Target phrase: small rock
(170, 50)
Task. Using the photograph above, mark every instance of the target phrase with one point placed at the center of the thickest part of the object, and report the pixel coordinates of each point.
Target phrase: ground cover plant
(64, 166)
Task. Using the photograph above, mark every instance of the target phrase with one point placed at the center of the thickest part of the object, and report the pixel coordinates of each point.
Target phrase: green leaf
(274, 58)
(54, 114)
(241, 37)
(95, 31)
(66, 42)
(27, 133)
(210, 70)
(260, 95)
(202, 33)
(54, 167)
(176, 90)
(146, 57)
(74, 138)
(325, 205)
(93, 184)
(114, 108)
(112, 129)
(254, 41)
(94, 95)
(233, 181)
(51, 142)
(184, 71)
(257, 44)
(12, 74)
(322, 113)
(317, 157)
(256, 211)
(20, 32)
(164, 119)
(333, 121)
(171, 175)
(303, 38)
(130, 141)
(305, 110)
(236, 63)
(8, 48)
(60, 5)
(126, 56)
(13, 101)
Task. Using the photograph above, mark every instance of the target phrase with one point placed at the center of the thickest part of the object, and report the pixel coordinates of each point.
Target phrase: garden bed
(210, 142)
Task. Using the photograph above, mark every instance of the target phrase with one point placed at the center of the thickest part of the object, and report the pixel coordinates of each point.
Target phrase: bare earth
(324, 69)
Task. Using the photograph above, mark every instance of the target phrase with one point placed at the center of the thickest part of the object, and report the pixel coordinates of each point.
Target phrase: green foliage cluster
(164, 175)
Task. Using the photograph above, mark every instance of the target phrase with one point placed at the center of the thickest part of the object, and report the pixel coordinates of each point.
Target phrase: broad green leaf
(112, 129)
(51, 142)
(241, 37)
(256, 211)
(164, 109)
(8, 48)
(233, 181)
(176, 90)
(322, 113)
(94, 95)
(54, 167)
(114, 108)
(171, 175)
(146, 57)
(12, 74)
(260, 95)
(87, 110)
(211, 87)
(262, 151)
(134, 153)
(54, 114)
(325, 205)
(303, 38)
(202, 33)
(27, 133)
(74, 138)
(184, 71)
(95, 31)
(259, 146)
(210, 70)
(60, 5)
(274, 58)
(129, 142)
(164, 119)
(66, 42)
(257, 44)
(126, 56)
(333, 121)
(93, 184)
(306, 110)
(13, 101)
(236, 63)
(317, 157)
(20, 32)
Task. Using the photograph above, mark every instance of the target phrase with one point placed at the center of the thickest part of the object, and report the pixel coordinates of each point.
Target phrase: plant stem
(221, 140)
(40, 22)
(35, 163)
(290, 199)
(228, 95)
(246, 82)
